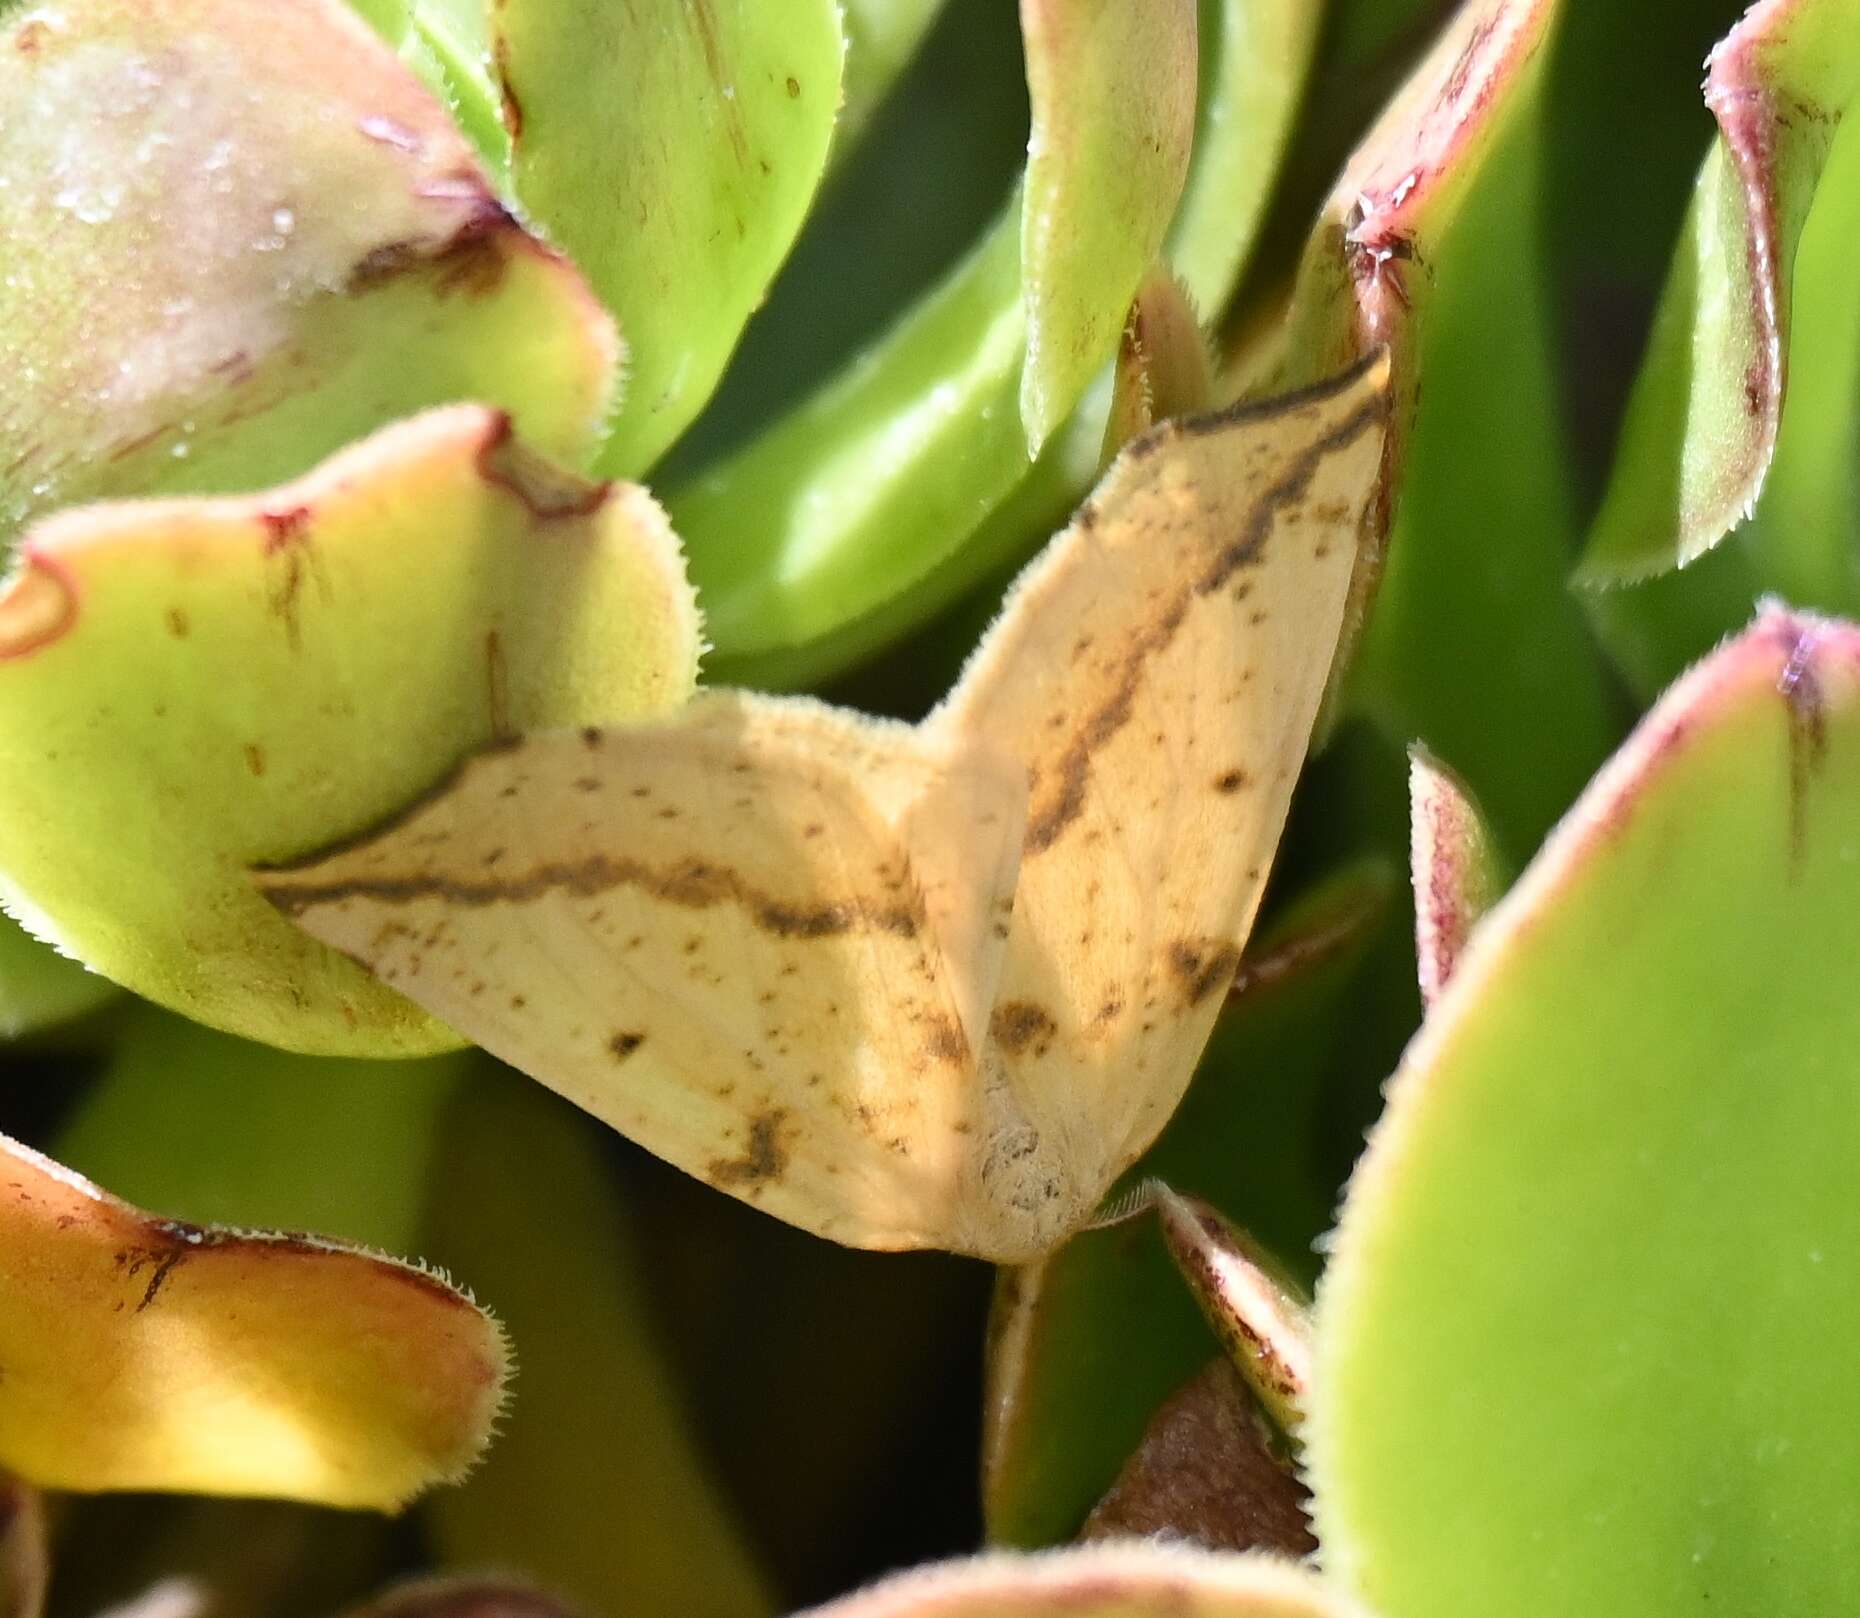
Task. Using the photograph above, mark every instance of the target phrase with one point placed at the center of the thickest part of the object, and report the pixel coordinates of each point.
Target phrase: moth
(912, 986)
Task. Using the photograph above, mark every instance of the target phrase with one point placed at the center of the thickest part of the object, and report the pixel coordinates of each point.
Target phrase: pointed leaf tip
(1259, 1318)
(1454, 865)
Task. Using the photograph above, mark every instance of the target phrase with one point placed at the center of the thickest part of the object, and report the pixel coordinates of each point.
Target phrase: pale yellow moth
(913, 986)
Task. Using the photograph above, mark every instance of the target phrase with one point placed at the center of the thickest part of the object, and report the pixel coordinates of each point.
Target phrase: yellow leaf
(145, 1353)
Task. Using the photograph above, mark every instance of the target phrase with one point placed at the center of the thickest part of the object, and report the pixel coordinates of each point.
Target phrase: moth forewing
(1158, 671)
(749, 938)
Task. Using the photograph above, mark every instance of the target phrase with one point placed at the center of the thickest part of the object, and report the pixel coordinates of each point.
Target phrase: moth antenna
(1127, 1205)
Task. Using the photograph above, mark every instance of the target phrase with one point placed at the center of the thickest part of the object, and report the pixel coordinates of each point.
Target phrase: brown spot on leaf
(546, 490)
(255, 758)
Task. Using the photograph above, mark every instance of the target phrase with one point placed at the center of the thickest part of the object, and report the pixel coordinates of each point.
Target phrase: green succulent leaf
(343, 260)
(564, 1496)
(1087, 1344)
(1430, 244)
(1128, 1580)
(192, 687)
(1113, 86)
(1580, 1347)
(830, 515)
(881, 38)
(880, 498)
(674, 151)
(1798, 540)
(1702, 427)
(39, 987)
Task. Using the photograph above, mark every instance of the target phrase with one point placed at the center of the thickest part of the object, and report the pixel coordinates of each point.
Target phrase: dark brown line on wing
(695, 884)
(1045, 828)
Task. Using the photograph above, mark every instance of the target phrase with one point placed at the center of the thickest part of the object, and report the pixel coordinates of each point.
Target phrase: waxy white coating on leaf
(1135, 1579)
(239, 236)
(142, 1353)
(913, 987)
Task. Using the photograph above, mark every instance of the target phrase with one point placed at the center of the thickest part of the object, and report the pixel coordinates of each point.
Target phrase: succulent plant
(879, 595)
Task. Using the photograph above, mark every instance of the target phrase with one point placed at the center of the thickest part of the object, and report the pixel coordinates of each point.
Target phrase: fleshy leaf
(343, 262)
(641, 1528)
(1209, 1472)
(1128, 1580)
(1702, 425)
(881, 38)
(189, 688)
(448, 44)
(674, 151)
(1453, 864)
(1071, 1383)
(1582, 1343)
(144, 1353)
(1112, 84)
(1162, 367)
(1799, 540)
(1430, 244)
(1260, 1318)
(879, 499)
(39, 987)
